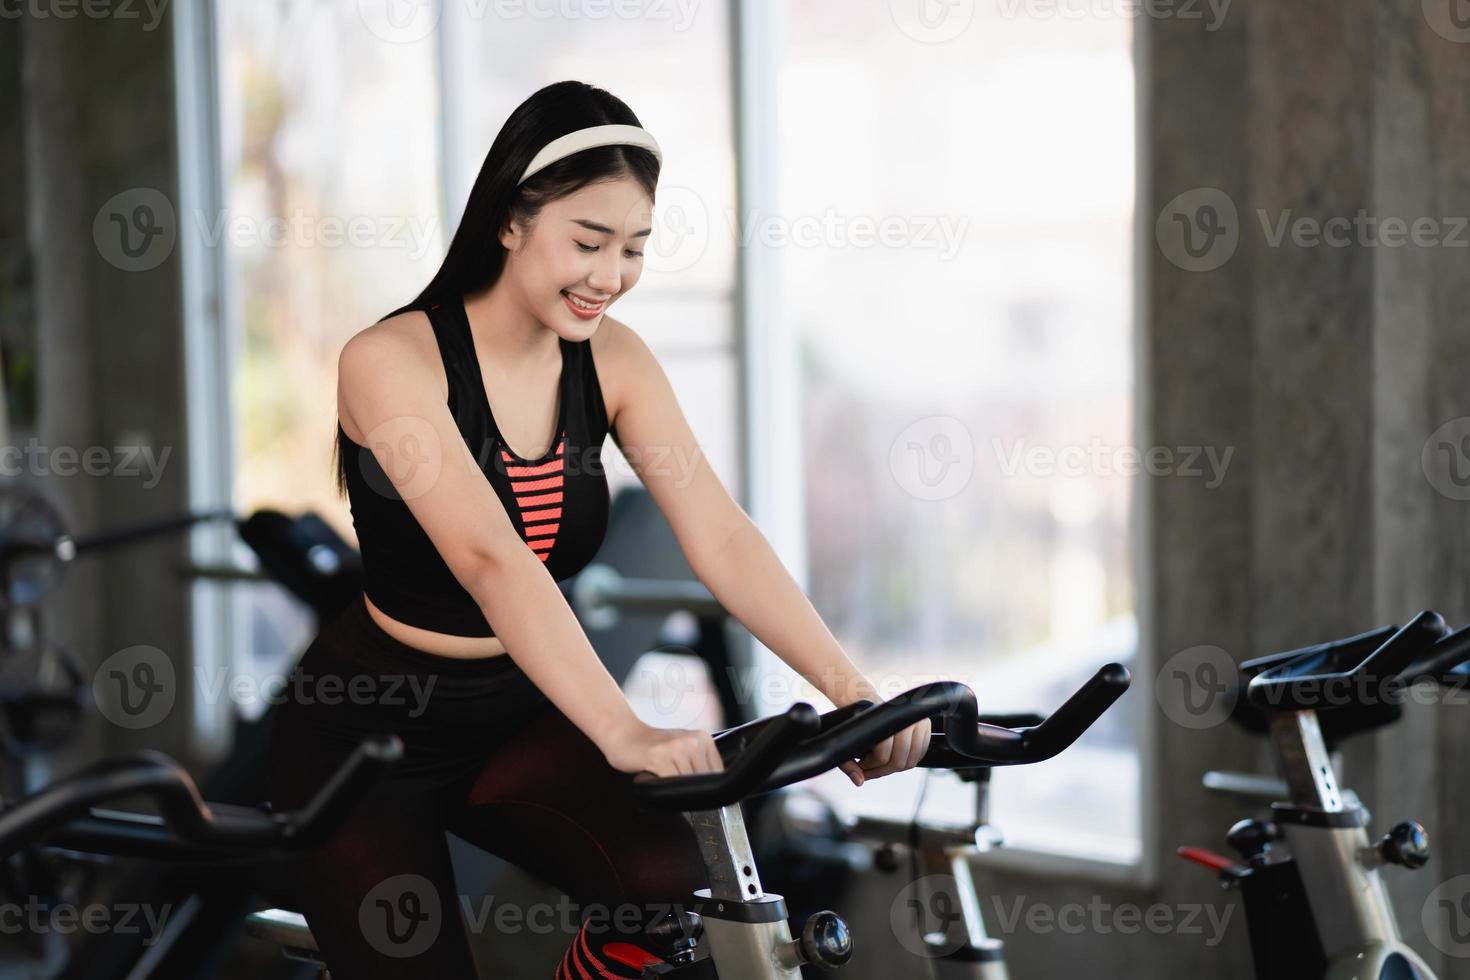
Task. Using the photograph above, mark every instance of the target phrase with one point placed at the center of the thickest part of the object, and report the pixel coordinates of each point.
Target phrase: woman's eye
(592, 248)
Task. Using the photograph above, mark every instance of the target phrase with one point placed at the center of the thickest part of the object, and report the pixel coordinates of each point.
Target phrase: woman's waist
(437, 644)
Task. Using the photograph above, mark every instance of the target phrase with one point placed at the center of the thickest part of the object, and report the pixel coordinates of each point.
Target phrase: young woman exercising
(517, 738)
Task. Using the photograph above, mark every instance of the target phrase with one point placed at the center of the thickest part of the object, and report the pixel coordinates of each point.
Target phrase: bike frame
(746, 925)
(1328, 839)
(963, 950)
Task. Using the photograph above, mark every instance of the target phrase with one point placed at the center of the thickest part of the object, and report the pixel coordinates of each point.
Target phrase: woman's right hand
(663, 751)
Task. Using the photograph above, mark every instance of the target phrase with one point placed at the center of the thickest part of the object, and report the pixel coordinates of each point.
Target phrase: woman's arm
(723, 545)
(393, 397)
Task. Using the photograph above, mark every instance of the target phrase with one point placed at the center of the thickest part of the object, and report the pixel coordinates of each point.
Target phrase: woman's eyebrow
(605, 230)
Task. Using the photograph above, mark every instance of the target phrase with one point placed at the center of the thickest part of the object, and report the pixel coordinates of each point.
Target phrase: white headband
(585, 139)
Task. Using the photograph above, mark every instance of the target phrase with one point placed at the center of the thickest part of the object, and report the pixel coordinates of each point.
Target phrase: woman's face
(588, 245)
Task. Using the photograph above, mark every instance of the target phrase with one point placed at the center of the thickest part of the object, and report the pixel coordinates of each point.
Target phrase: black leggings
(490, 758)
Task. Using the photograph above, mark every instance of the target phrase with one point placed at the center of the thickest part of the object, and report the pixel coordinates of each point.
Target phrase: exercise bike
(736, 930)
(44, 698)
(1321, 910)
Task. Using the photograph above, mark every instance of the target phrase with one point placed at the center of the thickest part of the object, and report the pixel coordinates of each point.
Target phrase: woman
(468, 513)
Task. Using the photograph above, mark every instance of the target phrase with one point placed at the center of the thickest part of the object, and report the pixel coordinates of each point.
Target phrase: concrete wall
(109, 341)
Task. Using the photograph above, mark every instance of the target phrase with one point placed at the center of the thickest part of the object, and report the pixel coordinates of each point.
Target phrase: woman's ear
(510, 236)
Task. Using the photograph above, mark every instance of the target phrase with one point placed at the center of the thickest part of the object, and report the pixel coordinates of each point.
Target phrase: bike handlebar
(1294, 680)
(187, 815)
(769, 753)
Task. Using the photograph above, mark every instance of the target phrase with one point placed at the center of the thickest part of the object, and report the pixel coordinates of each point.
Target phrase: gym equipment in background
(1316, 906)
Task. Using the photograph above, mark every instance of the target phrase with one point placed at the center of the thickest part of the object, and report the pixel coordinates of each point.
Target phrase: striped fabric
(538, 490)
(616, 962)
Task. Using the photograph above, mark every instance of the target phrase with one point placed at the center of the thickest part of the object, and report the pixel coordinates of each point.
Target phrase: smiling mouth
(582, 301)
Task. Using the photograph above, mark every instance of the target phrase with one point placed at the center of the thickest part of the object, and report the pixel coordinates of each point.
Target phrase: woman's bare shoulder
(397, 350)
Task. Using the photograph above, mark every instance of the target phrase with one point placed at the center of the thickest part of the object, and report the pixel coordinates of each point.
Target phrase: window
(495, 56)
(329, 142)
(347, 131)
(954, 235)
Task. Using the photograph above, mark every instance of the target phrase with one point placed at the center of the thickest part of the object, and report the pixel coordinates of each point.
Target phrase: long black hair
(476, 257)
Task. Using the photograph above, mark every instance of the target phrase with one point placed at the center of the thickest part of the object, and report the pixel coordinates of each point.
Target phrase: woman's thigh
(548, 801)
(380, 894)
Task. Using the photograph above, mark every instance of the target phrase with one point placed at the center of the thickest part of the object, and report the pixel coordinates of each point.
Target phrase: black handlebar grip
(767, 747)
(1301, 684)
(1443, 663)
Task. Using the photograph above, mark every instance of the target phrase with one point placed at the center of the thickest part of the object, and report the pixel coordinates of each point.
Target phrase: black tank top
(558, 502)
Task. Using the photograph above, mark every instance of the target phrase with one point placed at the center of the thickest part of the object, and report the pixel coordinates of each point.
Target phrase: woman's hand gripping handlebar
(766, 754)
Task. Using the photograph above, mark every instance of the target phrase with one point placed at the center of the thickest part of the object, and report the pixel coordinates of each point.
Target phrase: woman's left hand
(898, 752)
